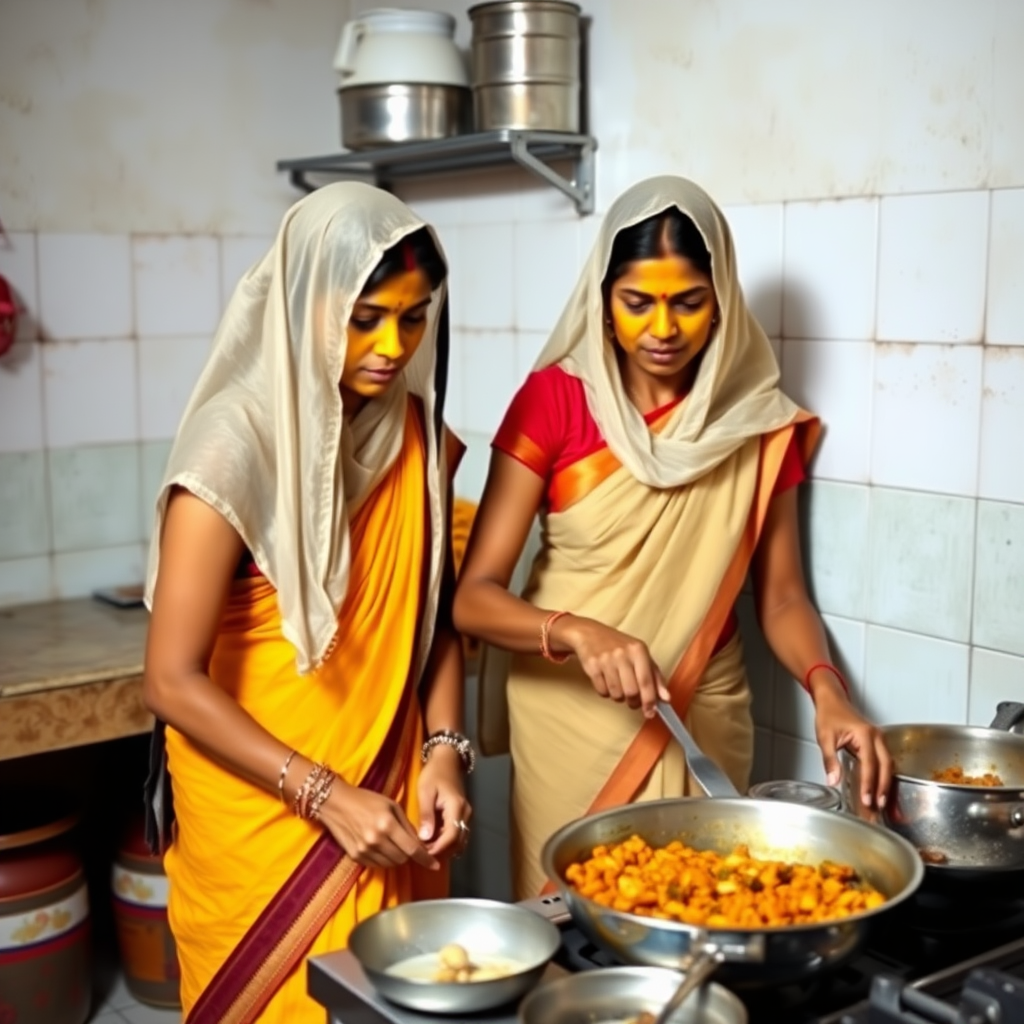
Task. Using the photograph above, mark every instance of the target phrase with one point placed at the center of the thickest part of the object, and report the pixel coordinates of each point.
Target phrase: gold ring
(462, 827)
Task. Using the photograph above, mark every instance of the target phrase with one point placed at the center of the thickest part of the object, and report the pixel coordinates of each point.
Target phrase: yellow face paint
(662, 311)
(384, 331)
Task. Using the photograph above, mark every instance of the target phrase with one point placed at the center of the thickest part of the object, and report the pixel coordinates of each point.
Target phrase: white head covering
(263, 440)
(735, 395)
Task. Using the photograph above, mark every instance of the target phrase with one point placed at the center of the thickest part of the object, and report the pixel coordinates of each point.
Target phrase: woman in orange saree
(300, 651)
(654, 442)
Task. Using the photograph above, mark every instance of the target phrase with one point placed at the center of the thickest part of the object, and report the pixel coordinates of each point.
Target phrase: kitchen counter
(70, 674)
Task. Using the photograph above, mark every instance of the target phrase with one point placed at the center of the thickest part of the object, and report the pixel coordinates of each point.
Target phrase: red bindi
(409, 256)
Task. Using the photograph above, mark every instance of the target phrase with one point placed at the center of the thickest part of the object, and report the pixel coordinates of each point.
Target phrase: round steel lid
(793, 791)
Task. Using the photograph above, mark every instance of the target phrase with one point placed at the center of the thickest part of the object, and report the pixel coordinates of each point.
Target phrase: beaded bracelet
(310, 789)
(831, 668)
(545, 639)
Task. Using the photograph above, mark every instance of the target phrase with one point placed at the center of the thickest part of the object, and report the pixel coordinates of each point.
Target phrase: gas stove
(919, 957)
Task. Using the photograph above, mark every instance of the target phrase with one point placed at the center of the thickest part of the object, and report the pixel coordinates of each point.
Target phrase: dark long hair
(668, 233)
(414, 250)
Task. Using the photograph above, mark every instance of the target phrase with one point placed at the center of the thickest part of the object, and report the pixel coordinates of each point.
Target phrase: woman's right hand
(373, 830)
(619, 666)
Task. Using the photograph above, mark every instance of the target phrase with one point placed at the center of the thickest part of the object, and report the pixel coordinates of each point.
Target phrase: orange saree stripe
(529, 453)
(576, 481)
(650, 742)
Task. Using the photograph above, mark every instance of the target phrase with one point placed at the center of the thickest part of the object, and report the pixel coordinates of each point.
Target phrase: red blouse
(551, 410)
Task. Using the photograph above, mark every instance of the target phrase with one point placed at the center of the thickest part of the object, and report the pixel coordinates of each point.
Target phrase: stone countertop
(63, 644)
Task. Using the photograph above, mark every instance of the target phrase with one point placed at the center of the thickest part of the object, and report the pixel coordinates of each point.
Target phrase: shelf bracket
(580, 189)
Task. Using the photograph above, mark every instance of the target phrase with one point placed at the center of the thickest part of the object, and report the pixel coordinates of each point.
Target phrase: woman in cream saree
(313, 709)
(655, 443)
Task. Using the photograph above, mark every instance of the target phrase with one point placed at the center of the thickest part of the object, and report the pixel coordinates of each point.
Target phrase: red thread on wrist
(545, 639)
(831, 668)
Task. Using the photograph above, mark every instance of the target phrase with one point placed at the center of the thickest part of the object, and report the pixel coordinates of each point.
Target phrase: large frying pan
(772, 829)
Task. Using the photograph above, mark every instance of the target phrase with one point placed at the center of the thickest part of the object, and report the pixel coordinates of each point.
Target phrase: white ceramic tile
(1001, 472)
(932, 266)
(836, 537)
(472, 474)
(1004, 319)
(487, 276)
(237, 256)
(85, 286)
(79, 573)
(757, 241)
(536, 200)
(797, 759)
(935, 110)
(118, 997)
(489, 196)
(759, 661)
(153, 462)
(451, 242)
(18, 267)
(89, 389)
(794, 709)
(999, 578)
(489, 378)
(920, 560)
(454, 403)
(545, 272)
(834, 380)
(435, 199)
(764, 743)
(529, 345)
(1008, 94)
(831, 269)
(926, 417)
(913, 678)
(177, 285)
(587, 229)
(995, 677)
(24, 516)
(168, 371)
(108, 1017)
(94, 494)
(25, 581)
(21, 398)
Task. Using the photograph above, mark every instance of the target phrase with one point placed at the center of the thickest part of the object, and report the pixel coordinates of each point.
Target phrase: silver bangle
(447, 738)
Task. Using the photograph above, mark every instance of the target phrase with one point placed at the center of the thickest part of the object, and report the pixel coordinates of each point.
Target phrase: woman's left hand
(838, 726)
(444, 809)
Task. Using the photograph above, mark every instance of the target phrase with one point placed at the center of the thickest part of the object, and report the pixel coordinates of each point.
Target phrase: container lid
(396, 19)
(793, 791)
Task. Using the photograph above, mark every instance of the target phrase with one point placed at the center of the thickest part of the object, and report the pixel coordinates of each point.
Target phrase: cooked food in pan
(453, 963)
(958, 777)
(701, 887)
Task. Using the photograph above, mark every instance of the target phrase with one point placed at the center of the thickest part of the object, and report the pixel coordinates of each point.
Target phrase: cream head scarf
(735, 395)
(263, 440)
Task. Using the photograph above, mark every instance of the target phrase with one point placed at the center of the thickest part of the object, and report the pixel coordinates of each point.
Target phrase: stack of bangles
(312, 794)
(806, 683)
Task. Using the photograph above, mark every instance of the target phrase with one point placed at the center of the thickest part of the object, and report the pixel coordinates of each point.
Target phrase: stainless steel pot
(526, 65)
(382, 115)
(967, 830)
(622, 993)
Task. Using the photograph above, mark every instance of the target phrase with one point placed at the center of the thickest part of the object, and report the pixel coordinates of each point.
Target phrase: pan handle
(1008, 714)
(701, 968)
(1011, 816)
(711, 778)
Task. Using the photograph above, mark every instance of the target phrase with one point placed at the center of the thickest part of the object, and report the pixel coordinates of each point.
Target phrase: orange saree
(254, 889)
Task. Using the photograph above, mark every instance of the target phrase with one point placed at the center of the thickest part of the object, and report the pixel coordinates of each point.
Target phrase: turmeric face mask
(662, 312)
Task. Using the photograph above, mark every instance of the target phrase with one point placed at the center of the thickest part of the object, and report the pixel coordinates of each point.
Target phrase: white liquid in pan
(425, 966)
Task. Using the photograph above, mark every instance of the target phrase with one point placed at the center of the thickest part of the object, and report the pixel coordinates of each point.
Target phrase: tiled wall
(87, 417)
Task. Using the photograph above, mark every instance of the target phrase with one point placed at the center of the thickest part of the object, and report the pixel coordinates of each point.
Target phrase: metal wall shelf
(533, 150)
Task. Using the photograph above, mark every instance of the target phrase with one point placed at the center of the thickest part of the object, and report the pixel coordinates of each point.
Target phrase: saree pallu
(242, 867)
(665, 566)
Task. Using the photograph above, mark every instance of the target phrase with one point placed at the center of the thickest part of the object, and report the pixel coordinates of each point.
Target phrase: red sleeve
(792, 471)
(532, 431)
